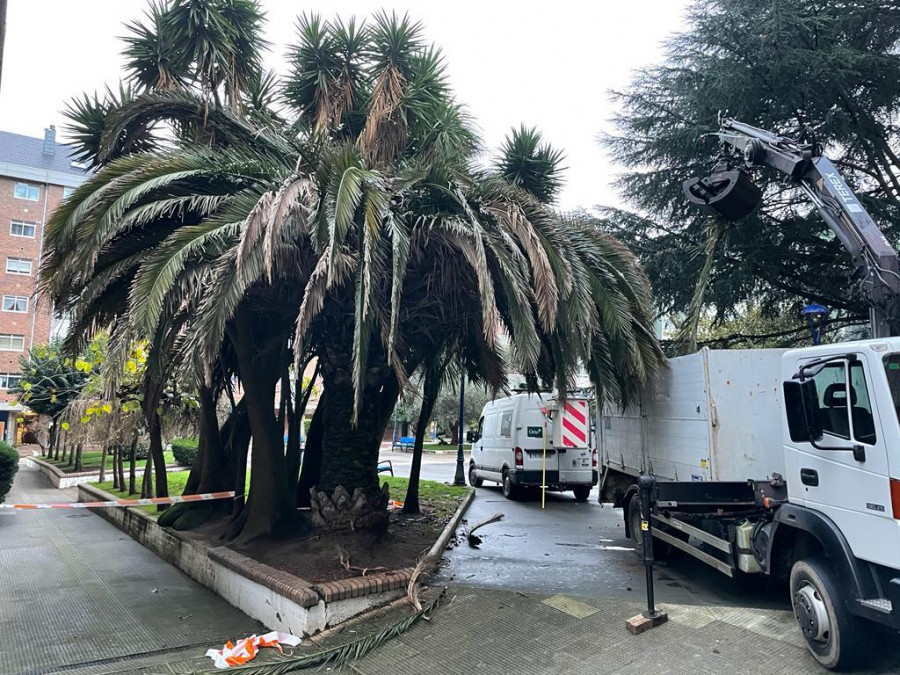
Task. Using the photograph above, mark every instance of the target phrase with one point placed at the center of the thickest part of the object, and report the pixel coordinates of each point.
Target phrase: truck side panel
(668, 431)
(745, 389)
(714, 415)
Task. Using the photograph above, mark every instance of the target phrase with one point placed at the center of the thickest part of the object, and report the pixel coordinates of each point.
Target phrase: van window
(480, 432)
(490, 425)
(506, 424)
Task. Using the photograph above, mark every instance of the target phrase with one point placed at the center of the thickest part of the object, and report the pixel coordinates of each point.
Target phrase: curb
(450, 528)
(62, 479)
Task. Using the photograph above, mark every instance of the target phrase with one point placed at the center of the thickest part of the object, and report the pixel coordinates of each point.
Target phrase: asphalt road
(579, 549)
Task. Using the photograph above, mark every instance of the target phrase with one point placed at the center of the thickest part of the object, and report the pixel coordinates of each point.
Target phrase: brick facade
(34, 324)
(35, 175)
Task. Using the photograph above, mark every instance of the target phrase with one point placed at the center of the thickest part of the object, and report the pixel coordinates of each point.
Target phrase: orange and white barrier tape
(206, 496)
(245, 649)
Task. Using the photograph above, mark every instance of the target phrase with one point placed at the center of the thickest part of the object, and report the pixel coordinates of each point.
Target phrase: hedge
(9, 464)
(185, 450)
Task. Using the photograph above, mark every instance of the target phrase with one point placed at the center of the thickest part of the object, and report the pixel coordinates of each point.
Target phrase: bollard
(651, 617)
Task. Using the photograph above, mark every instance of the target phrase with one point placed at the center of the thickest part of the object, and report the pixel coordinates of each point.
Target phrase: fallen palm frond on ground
(475, 541)
(423, 569)
(338, 657)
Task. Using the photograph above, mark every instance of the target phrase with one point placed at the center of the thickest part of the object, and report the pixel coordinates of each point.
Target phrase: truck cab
(842, 441)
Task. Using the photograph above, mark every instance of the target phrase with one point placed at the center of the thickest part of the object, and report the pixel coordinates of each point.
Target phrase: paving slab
(77, 595)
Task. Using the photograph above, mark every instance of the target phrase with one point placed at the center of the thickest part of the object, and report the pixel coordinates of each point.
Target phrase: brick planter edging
(280, 600)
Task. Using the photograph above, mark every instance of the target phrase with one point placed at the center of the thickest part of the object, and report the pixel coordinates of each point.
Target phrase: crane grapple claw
(730, 194)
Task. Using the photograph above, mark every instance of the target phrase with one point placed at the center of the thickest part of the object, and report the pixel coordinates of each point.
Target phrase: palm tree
(357, 231)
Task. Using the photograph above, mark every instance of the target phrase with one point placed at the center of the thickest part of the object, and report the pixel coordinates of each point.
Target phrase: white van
(510, 442)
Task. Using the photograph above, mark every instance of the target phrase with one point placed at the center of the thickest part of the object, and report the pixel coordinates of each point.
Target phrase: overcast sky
(549, 64)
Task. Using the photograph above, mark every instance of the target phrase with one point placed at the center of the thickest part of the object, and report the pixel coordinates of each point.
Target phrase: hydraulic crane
(729, 192)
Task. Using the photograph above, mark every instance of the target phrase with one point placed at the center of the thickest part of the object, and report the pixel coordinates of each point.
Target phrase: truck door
(851, 488)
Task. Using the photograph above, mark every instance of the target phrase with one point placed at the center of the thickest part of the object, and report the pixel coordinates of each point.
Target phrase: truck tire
(582, 492)
(834, 636)
(661, 550)
(474, 480)
(510, 489)
(634, 525)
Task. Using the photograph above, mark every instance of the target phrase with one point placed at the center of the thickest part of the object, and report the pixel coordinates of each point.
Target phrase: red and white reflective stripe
(575, 424)
(124, 502)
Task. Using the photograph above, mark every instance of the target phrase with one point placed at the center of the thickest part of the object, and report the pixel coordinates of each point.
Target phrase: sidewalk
(77, 595)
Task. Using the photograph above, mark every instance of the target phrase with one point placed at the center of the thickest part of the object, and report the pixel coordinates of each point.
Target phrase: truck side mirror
(801, 402)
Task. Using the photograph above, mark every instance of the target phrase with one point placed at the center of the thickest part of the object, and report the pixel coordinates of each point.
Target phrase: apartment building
(36, 174)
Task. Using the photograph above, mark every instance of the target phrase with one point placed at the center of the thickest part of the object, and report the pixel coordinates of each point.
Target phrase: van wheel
(510, 489)
(582, 492)
(833, 635)
(474, 480)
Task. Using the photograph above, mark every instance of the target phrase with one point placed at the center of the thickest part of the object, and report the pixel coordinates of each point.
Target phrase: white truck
(775, 462)
(528, 440)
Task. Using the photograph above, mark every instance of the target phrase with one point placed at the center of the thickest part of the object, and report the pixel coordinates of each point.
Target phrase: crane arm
(728, 192)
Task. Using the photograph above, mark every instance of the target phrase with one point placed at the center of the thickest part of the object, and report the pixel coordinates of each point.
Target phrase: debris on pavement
(473, 539)
(245, 649)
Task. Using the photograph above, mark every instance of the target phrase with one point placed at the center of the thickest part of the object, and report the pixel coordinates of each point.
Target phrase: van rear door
(572, 439)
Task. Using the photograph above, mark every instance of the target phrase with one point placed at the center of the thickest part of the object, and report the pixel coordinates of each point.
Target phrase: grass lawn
(176, 482)
(90, 461)
(442, 497)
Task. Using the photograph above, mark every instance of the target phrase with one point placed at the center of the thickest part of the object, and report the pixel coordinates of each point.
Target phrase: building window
(67, 192)
(18, 266)
(9, 380)
(27, 191)
(15, 303)
(18, 229)
(12, 343)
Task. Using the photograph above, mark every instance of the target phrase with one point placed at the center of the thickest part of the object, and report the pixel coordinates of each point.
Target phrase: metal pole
(645, 487)
(460, 477)
(544, 466)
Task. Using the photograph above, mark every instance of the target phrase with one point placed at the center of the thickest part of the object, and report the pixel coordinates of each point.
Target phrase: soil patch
(344, 555)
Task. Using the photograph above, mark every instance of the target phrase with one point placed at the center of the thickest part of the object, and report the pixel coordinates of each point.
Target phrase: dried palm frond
(686, 338)
(338, 657)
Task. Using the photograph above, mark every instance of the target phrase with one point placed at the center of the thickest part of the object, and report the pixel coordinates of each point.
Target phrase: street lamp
(460, 477)
(815, 316)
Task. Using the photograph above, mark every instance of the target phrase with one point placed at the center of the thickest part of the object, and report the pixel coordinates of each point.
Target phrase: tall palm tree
(358, 232)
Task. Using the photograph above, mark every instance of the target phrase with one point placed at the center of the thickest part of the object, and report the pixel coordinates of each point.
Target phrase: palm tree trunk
(301, 400)
(312, 455)
(429, 398)
(103, 454)
(115, 467)
(350, 452)
(147, 482)
(78, 450)
(268, 510)
(120, 453)
(132, 466)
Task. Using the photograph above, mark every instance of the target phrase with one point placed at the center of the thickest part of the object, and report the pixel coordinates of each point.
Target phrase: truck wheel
(661, 550)
(510, 489)
(634, 525)
(474, 480)
(582, 492)
(833, 635)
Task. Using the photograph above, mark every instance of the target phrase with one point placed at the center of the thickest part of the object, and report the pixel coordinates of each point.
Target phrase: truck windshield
(892, 370)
